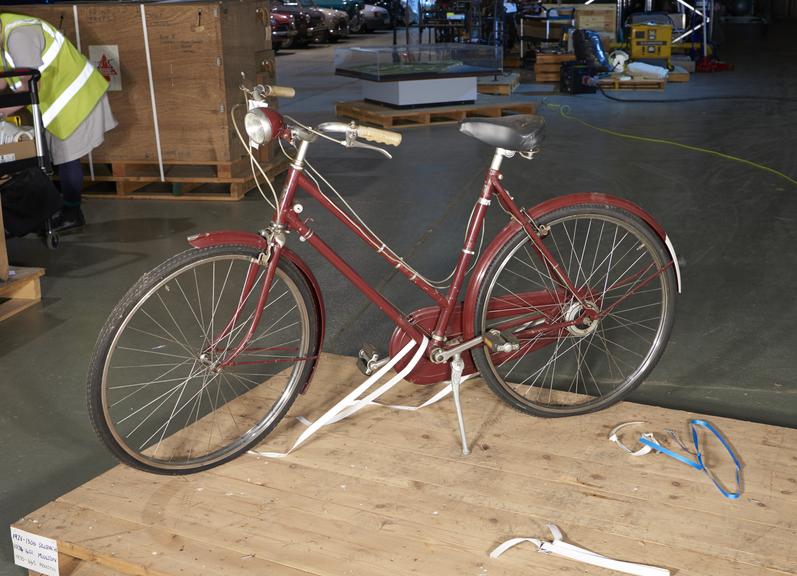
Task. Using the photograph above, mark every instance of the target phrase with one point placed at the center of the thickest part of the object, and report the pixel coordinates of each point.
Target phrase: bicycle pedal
(368, 360)
(501, 342)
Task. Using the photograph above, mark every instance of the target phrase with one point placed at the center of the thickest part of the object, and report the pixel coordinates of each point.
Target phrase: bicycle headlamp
(263, 125)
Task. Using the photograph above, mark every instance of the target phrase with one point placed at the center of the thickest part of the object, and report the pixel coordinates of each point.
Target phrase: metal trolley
(42, 158)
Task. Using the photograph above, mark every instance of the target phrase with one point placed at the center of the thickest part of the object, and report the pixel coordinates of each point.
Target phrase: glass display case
(418, 62)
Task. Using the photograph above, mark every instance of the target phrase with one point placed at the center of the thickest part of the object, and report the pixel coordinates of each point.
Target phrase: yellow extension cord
(564, 111)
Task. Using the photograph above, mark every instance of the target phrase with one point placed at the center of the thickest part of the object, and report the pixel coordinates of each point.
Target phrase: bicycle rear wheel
(158, 394)
(621, 268)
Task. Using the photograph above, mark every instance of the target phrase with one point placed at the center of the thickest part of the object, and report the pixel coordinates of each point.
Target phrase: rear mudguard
(477, 277)
(229, 237)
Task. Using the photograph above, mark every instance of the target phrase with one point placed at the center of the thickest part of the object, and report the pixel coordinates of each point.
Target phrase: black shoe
(68, 219)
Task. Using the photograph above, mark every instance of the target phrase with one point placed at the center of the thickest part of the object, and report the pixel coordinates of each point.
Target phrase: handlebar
(365, 132)
(379, 135)
(279, 91)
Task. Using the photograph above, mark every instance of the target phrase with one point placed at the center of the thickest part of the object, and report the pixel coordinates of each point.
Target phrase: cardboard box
(17, 151)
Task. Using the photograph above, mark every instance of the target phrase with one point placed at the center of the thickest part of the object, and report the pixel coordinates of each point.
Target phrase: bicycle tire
(254, 409)
(568, 373)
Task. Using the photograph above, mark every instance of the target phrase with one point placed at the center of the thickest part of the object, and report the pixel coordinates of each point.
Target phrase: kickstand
(457, 366)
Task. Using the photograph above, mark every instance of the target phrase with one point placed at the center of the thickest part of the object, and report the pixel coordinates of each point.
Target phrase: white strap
(80, 49)
(350, 404)
(562, 548)
(152, 93)
(614, 437)
(439, 395)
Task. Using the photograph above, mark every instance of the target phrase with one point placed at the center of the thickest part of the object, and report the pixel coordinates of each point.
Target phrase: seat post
(500, 153)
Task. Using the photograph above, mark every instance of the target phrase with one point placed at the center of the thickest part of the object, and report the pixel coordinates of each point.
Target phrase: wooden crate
(388, 493)
(198, 51)
(597, 17)
(547, 66)
(386, 117)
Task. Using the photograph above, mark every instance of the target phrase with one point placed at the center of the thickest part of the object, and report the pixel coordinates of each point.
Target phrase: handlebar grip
(281, 91)
(379, 135)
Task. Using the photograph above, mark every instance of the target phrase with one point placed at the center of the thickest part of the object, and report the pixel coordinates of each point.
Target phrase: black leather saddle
(519, 133)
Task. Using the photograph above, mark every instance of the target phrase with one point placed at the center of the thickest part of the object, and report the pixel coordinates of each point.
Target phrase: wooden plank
(386, 117)
(21, 291)
(387, 492)
(544, 58)
(69, 566)
(633, 84)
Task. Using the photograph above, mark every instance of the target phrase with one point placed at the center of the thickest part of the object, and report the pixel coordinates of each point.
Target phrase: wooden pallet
(387, 492)
(678, 75)
(133, 180)
(616, 84)
(21, 291)
(502, 85)
(385, 117)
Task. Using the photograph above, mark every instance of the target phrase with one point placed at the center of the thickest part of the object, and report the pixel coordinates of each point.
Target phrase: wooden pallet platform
(21, 291)
(388, 493)
(678, 75)
(385, 117)
(502, 85)
(133, 180)
(616, 84)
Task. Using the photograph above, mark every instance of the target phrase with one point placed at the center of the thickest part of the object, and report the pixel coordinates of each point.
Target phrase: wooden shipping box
(597, 17)
(198, 51)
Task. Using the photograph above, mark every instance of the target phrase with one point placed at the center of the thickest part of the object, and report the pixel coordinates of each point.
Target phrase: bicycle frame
(287, 217)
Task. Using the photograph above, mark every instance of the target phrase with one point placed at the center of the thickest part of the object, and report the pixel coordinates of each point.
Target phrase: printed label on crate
(34, 552)
(7, 158)
(105, 58)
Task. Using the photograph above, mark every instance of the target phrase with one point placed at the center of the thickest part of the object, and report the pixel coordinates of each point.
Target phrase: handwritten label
(35, 552)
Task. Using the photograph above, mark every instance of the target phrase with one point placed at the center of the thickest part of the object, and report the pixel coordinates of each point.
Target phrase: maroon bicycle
(564, 312)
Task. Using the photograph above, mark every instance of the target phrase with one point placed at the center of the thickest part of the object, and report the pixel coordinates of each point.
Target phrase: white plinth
(421, 92)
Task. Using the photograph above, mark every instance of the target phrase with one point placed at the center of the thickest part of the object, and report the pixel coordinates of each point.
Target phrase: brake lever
(352, 142)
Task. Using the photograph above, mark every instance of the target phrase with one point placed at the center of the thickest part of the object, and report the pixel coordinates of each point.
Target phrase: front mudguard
(252, 240)
(479, 272)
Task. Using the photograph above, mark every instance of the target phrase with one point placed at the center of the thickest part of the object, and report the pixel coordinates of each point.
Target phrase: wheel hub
(581, 314)
(208, 361)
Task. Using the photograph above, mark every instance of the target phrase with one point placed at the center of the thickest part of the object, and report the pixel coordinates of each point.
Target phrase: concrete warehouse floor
(735, 227)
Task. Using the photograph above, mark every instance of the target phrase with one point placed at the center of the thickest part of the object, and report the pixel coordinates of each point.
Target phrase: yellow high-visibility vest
(70, 86)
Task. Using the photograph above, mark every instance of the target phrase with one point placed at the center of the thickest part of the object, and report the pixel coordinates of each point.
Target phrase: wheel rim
(167, 400)
(588, 362)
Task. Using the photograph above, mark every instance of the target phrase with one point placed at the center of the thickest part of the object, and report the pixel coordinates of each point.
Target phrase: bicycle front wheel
(161, 395)
(621, 271)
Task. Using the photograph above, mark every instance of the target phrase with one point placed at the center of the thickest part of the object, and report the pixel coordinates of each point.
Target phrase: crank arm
(440, 356)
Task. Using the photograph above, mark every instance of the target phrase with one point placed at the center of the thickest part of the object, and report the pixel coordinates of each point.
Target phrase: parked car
(374, 18)
(336, 21)
(283, 30)
(396, 10)
(309, 22)
(351, 7)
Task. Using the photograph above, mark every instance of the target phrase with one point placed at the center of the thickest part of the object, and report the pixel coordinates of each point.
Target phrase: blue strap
(698, 464)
